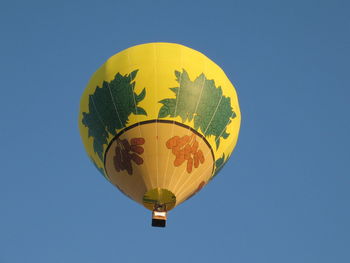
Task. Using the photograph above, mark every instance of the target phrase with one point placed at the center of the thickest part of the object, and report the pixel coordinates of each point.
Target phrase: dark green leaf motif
(199, 100)
(98, 168)
(110, 107)
(219, 163)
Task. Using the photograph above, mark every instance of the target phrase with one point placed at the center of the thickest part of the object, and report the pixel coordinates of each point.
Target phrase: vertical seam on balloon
(99, 116)
(104, 126)
(199, 99)
(156, 93)
(228, 123)
(172, 133)
(212, 117)
(115, 106)
(217, 106)
(136, 115)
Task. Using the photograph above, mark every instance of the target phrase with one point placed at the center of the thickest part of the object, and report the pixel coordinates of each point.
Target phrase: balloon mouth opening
(159, 199)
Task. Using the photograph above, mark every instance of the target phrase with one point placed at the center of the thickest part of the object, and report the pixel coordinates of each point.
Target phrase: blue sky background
(283, 196)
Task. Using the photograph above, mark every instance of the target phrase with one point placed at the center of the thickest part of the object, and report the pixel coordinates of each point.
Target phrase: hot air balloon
(159, 121)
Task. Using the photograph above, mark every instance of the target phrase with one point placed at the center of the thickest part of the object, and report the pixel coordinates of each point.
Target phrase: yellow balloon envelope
(159, 121)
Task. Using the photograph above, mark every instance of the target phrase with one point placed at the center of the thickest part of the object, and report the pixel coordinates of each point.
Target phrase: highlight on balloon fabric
(159, 121)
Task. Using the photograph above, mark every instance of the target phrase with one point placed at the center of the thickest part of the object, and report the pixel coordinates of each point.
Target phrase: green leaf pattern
(101, 170)
(201, 101)
(110, 107)
(219, 164)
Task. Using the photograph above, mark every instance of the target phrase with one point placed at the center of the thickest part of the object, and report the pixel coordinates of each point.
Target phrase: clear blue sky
(284, 195)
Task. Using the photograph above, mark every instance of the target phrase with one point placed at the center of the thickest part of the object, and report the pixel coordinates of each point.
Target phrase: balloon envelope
(159, 121)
